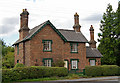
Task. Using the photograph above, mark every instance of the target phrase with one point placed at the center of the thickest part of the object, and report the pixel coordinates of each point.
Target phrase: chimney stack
(92, 42)
(76, 26)
(24, 30)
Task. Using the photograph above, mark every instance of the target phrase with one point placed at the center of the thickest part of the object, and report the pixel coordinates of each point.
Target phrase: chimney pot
(76, 26)
(25, 9)
(92, 42)
(24, 29)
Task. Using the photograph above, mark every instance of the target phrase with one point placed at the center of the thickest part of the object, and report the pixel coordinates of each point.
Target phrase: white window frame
(47, 45)
(47, 62)
(74, 47)
(92, 63)
(74, 64)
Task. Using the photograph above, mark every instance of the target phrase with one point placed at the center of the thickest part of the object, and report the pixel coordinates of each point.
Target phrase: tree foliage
(7, 55)
(109, 36)
(118, 35)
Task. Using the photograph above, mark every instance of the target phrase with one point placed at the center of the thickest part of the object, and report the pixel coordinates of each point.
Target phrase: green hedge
(32, 73)
(104, 70)
(119, 71)
(110, 70)
(19, 65)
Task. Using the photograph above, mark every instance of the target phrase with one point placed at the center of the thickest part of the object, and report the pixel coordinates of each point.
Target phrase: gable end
(53, 27)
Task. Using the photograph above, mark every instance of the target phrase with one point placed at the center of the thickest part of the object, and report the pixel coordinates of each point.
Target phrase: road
(106, 81)
(112, 79)
(99, 81)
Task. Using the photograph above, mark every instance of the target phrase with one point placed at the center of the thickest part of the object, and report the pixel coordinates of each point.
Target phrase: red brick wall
(60, 49)
(98, 61)
(27, 53)
(23, 33)
(20, 56)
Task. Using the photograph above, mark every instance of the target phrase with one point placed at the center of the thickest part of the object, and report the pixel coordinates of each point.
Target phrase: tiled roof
(93, 52)
(68, 35)
(73, 36)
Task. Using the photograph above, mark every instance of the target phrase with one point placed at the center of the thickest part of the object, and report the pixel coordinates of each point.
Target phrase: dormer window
(47, 45)
(74, 47)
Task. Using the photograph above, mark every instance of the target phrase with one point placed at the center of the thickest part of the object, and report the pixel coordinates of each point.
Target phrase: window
(92, 62)
(18, 49)
(74, 63)
(47, 62)
(74, 47)
(47, 45)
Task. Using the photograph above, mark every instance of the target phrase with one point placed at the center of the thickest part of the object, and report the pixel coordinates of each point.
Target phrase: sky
(59, 12)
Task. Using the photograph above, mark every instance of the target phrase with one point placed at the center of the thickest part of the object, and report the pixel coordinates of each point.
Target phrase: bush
(93, 71)
(105, 70)
(10, 75)
(110, 70)
(32, 73)
(119, 71)
(59, 63)
(19, 65)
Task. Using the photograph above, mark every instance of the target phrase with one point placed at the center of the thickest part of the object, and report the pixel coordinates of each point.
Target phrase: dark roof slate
(73, 36)
(93, 52)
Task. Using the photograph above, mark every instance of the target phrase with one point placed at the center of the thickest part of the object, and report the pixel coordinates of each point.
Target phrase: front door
(66, 64)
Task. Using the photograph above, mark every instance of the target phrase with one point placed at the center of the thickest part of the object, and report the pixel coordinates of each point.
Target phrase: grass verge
(70, 76)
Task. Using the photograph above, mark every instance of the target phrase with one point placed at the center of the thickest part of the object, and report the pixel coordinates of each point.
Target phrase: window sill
(47, 50)
(74, 69)
(73, 52)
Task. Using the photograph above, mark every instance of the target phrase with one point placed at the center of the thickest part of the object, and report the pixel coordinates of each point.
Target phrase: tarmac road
(111, 79)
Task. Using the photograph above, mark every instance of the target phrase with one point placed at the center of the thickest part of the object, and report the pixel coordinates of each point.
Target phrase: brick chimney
(24, 30)
(76, 26)
(92, 42)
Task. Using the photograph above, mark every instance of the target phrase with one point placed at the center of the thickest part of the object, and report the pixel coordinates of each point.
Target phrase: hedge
(104, 70)
(32, 73)
(19, 65)
(119, 71)
(109, 70)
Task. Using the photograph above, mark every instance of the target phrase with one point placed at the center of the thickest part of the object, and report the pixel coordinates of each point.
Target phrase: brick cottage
(45, 44)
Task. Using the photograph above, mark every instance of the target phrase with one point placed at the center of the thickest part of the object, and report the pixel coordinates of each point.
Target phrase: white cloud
(59, 12)
(8, 25)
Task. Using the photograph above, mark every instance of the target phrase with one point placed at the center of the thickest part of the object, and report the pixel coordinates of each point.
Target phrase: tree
(117, 32)
(4, 47)
(8, 60)
(107, 37)
(7, 55)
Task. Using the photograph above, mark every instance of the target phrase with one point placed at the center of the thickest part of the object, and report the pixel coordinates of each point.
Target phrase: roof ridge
(66, 29)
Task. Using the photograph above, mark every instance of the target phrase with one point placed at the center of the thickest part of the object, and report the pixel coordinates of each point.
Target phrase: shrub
(93, 71)
(59, 63)
(119, 71)
(105, 70)
(10, 75)
(32, 73)
(109, 70)
(19, 65)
